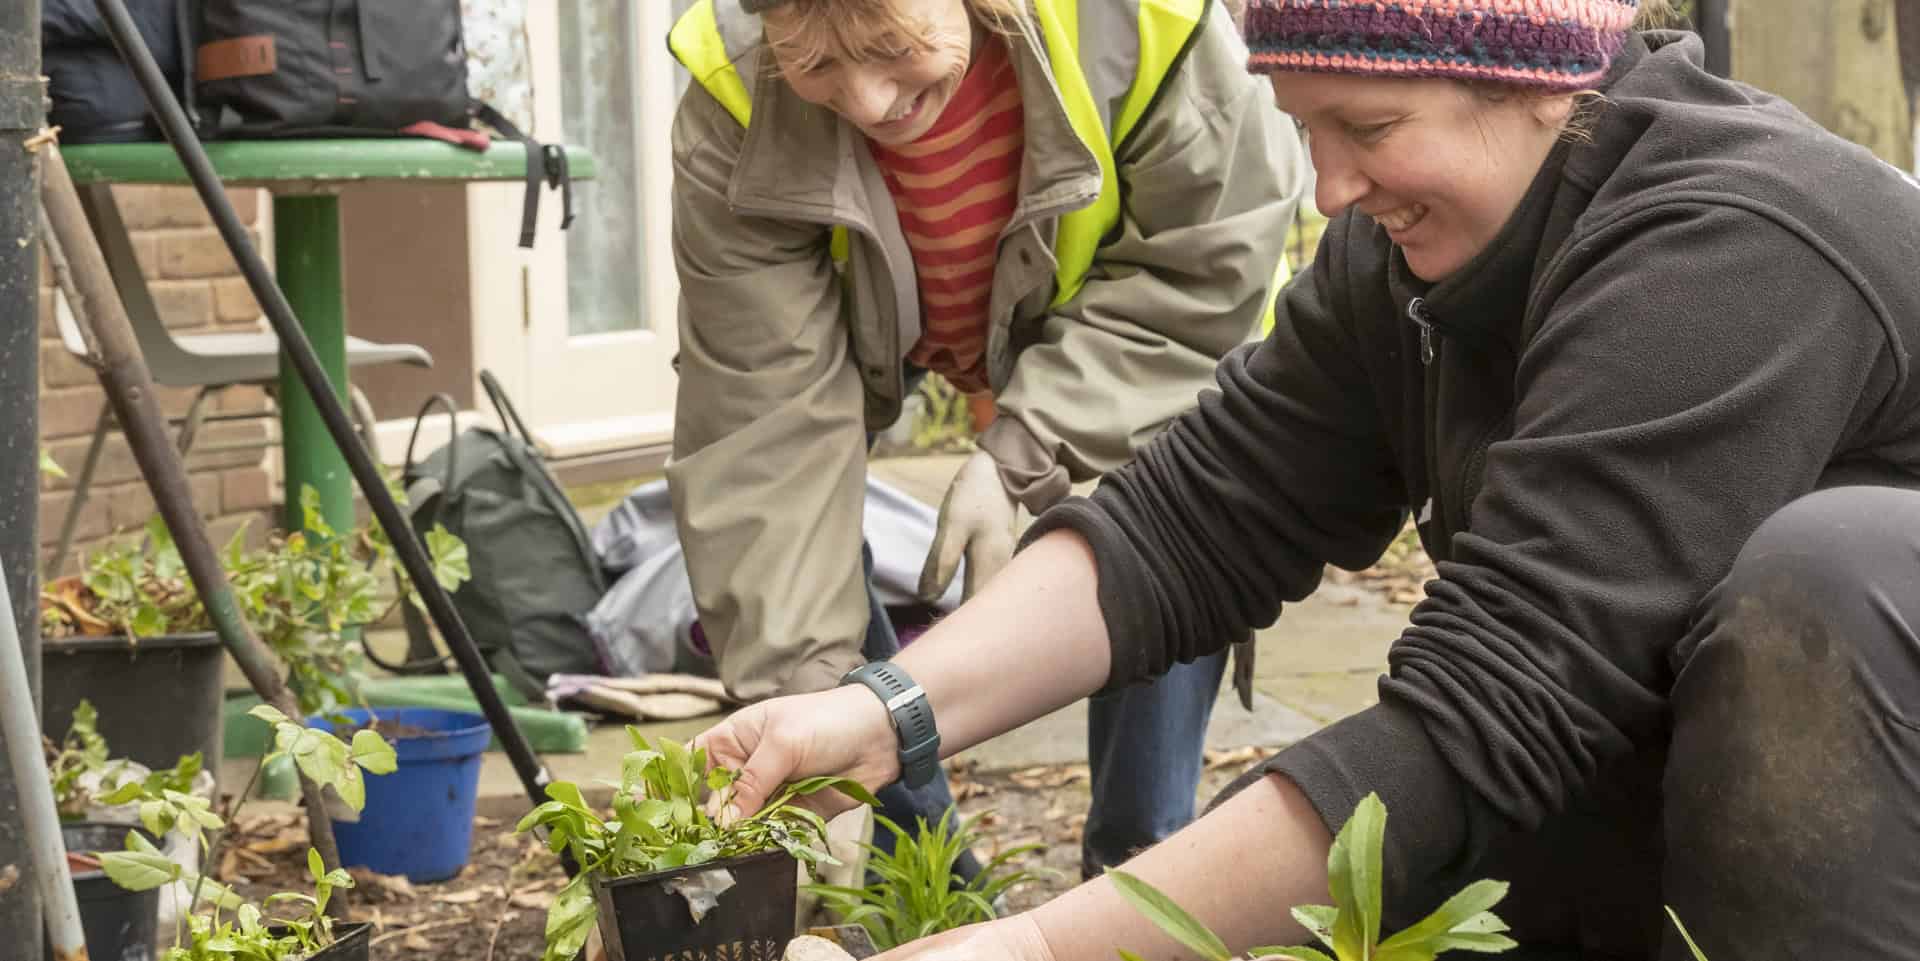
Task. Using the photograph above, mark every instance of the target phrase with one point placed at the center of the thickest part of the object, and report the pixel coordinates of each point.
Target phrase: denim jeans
(1144, 746)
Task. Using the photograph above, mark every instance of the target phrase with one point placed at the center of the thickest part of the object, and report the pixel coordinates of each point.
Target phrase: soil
(495, 910)
(391, 730)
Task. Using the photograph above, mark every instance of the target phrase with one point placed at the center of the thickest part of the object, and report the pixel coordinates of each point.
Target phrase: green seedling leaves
(1353, 878)
(1351, 925)
(372, 753)
(1698, 955)
(1170, 917)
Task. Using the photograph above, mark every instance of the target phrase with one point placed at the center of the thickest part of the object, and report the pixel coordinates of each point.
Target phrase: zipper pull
(1417, 312)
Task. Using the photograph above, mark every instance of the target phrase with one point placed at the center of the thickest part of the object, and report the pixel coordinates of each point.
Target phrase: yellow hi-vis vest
(1163, 30)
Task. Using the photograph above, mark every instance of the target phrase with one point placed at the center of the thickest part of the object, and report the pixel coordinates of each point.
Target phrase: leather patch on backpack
(237, 57)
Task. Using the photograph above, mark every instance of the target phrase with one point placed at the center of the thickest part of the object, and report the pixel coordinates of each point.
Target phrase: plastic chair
(209, 362)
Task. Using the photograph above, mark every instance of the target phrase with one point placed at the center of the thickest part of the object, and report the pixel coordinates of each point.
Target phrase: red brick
(130, 506)
(198, 253)
(184, 305)
(174, 402)
(252, 433)
(58, 368)
(244, 399)
(146, 252)
(246, 203)
(234, 303)
(149, 207)
(70, 411)
(53, 510)
(257, 523)
(116, 461)
(246, 489)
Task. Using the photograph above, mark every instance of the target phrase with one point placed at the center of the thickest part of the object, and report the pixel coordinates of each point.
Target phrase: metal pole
(81, 269)
(298, 352)
(22, 113)
(21, 726)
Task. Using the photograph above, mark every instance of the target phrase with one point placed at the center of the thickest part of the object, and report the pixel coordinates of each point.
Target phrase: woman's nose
(866, 95)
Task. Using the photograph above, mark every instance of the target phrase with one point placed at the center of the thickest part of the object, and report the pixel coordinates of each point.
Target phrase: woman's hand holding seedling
(844, 732)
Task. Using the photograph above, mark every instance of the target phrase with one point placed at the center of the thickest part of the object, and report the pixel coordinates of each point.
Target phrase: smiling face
(889, 72)
(1438, 165)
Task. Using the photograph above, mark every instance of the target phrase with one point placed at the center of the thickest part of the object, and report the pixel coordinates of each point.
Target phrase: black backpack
(535, 573)
(93, 97)
(354, 68)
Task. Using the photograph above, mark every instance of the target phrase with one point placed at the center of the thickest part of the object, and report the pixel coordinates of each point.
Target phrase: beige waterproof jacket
(784, 369)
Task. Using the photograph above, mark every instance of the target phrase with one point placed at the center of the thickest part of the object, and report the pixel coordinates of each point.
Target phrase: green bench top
(269, 163)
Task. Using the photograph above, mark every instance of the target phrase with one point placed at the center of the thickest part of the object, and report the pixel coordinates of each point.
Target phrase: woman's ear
(1553, 111)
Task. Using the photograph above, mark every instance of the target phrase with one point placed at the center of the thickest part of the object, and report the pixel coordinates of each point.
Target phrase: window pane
(605, 267)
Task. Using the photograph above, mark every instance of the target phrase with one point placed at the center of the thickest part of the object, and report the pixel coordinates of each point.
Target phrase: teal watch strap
(911, 714)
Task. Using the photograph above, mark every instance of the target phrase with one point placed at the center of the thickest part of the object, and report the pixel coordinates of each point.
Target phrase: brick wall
(198, 289)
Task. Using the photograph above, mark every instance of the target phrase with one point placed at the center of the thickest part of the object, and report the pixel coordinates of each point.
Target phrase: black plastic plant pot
(351, 942)
(159, 698)
(118, 924)
(643, 919)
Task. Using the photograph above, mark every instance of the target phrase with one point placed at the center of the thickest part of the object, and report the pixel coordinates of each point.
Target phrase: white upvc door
(581, 329)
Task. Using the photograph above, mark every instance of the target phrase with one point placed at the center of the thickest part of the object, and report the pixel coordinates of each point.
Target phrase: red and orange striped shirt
(955, 188)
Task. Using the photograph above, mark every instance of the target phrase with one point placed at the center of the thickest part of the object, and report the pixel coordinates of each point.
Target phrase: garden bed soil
(389, 729)
(495, 910)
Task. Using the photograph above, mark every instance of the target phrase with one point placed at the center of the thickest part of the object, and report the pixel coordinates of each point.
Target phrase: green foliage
(944, 421)
(915, 896)
(305, 593)
(1350, 927)
(249, 935)
(1698, 955)
(659, 822)
(83, 751)
(308, 591)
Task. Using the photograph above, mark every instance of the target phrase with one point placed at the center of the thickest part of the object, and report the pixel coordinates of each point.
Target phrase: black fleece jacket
(1699, 315)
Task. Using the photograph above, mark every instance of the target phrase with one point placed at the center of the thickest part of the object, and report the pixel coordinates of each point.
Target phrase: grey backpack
(535, 574)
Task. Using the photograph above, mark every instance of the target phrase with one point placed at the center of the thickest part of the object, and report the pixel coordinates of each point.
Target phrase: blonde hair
(862, 30)
(1655, 14)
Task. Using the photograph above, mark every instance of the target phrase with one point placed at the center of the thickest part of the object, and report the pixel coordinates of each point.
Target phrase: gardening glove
(976, 521)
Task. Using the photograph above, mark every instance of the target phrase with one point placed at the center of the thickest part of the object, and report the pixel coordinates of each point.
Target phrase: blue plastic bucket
(419, 820)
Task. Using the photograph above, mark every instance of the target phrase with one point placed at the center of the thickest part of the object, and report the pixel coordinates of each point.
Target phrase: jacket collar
(1486, 298)
(834, 179)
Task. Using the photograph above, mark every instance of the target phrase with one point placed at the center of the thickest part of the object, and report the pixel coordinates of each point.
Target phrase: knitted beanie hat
(1559, 45)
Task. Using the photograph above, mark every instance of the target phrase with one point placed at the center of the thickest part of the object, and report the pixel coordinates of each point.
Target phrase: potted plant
(251, 933)
(128, 634)
(913, 895)
(661, 878)
(90, 790)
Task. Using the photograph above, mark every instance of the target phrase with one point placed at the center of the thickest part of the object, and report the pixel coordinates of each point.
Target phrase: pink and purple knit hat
(1542, 44)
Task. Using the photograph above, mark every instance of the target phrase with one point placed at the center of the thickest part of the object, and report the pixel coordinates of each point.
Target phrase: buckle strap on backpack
(546, 164)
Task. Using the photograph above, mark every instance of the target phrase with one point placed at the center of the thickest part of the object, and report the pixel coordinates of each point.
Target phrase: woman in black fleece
(1634, 347)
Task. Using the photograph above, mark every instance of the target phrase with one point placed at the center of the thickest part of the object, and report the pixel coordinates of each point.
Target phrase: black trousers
(1783, 819)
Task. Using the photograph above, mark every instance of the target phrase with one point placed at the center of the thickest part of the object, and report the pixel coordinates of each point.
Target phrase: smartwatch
(912, 718)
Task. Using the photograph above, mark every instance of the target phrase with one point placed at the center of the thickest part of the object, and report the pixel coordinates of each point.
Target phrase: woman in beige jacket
(1076, 206)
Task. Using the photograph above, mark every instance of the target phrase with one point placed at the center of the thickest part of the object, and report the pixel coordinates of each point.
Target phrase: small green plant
(659, 822)
(1698, 955)
(945, 421)
(915, 896)
(306, 593)
(249, 935)
(1350, 927)
(84, 752)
